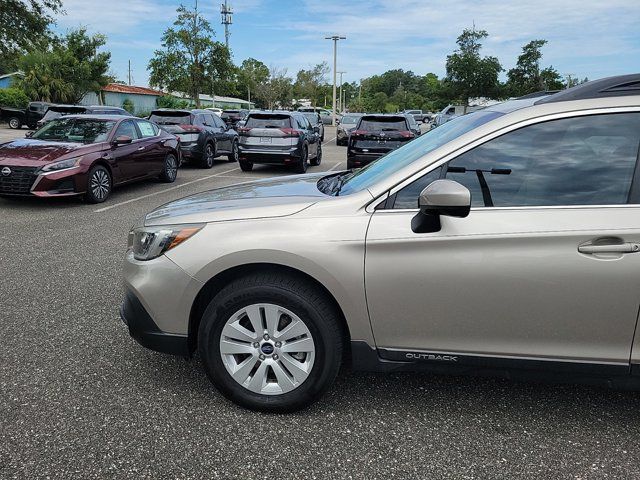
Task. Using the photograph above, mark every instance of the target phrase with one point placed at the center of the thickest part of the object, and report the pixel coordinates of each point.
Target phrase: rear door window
(147, 129)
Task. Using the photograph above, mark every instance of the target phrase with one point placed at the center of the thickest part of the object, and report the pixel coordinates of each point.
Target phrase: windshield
(75, 130)
(171, 119)
(351, 120)
(412, 151)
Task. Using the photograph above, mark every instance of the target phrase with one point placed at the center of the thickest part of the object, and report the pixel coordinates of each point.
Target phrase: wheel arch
(214, 285)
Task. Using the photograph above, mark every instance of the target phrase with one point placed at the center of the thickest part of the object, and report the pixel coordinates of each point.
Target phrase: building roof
(12, 74)
(121, 88)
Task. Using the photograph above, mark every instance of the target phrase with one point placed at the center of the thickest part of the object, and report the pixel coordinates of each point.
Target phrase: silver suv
(505, 241)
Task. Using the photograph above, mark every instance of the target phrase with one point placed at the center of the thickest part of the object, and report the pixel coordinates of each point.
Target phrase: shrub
(13, 98)
(128, 105)
(167, 101)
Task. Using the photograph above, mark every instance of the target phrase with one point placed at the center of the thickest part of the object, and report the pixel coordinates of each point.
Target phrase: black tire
(15, 123)
(170, 169)
(233, 156)
(303, 163)
(208, 154)
(98, 179)
(301, 298)
(316, 161)
(350, 165)
(246, 166)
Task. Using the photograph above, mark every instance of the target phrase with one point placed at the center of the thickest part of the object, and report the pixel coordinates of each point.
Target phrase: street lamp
(335, 39)
(340, 104)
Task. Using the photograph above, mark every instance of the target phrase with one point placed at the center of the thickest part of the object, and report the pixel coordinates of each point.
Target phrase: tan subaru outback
(506, 241)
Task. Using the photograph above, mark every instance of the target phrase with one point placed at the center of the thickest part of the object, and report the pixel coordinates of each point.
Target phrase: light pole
(335, 39)
(340, 105)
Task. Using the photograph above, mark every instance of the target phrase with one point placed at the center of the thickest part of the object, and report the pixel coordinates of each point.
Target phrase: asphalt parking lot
(80, 399)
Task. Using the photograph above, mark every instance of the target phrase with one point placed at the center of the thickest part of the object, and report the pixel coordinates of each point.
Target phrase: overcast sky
(586, 37)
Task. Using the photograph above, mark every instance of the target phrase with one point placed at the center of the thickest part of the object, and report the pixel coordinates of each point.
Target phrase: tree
(277, 90)
(526, 77)
(308, 82)
(25, 27)
(573, 81)
(468, 74)
(13, 98)
(190, 61)
(67, 70)
(251, 73)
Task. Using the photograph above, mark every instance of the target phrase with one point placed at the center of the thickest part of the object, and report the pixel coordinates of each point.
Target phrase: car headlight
(61, 165)
(150, 242)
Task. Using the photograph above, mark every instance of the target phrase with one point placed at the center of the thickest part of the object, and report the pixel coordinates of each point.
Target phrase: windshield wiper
(341, 178)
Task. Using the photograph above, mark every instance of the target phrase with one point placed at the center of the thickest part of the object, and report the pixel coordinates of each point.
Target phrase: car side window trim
(375, 205)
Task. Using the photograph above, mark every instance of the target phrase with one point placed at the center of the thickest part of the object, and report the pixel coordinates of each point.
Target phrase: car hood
(273, 197)
(35, 153)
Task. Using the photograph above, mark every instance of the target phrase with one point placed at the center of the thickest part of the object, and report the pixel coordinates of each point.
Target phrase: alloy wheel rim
(13, 123)
(172, 167)
(100, 184)
(209, 153)
(267, 349)
(235, 152)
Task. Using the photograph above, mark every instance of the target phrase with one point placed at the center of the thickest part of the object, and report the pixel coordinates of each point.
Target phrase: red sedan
(87, 155)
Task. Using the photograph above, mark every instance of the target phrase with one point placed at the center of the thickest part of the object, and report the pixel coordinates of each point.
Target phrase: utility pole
(340, 104)
(226, 12)
(129, 72)
(335, 39)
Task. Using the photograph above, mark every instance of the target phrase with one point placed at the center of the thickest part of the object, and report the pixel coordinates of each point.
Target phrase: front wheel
(271, 343)
(98, 185)
(15, 123)
(170, 169)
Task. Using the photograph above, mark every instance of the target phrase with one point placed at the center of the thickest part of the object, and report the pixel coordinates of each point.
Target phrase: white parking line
(335, 167)
(104, 209)
(330, 140)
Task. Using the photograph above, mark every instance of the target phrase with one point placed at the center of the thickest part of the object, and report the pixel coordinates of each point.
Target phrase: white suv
(506, 240)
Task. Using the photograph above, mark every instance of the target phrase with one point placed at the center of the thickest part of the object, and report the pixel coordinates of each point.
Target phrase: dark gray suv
(286, 138)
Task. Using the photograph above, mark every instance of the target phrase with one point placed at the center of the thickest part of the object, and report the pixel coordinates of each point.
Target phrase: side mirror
(122, 140)
(441, 197)
(28, 134)
(316, 128)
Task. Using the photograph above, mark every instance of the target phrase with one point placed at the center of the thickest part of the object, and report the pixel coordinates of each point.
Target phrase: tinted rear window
(268, 121)
(349, 119)
(383, 123)
(166, 118)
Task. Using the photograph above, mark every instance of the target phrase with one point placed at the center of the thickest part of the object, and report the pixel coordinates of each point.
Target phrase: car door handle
(611, 248)
(141, 148)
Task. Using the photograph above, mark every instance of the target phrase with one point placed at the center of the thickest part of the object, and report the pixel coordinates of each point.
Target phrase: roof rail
(618, 86)
(541, 93)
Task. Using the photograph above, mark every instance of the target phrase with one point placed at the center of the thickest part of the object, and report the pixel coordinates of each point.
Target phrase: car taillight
(406, 134)
(359, 133)
(243, 130)
(290, 132)
(190, 128)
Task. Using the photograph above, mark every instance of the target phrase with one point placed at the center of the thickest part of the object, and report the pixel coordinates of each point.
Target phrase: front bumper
(28, 181)
(157, 305)
(144, 330)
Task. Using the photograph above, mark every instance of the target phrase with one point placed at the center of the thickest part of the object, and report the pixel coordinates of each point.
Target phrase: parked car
(375, 136)
(217, 111)
(57, 111)
(316, 121)
(232, 117)
(286, 138)
(87, 155)
(413, 125)
(483, 254)
(16, 117)
(325, 114)
(203, 135)
(346, 125)
(417, 115)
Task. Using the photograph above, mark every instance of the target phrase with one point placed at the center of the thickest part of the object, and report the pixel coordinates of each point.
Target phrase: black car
(375, 136)
(316, 121)
(286, 138)
(203, 135)
(16, 117)
(232, 117)
(57, 111)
